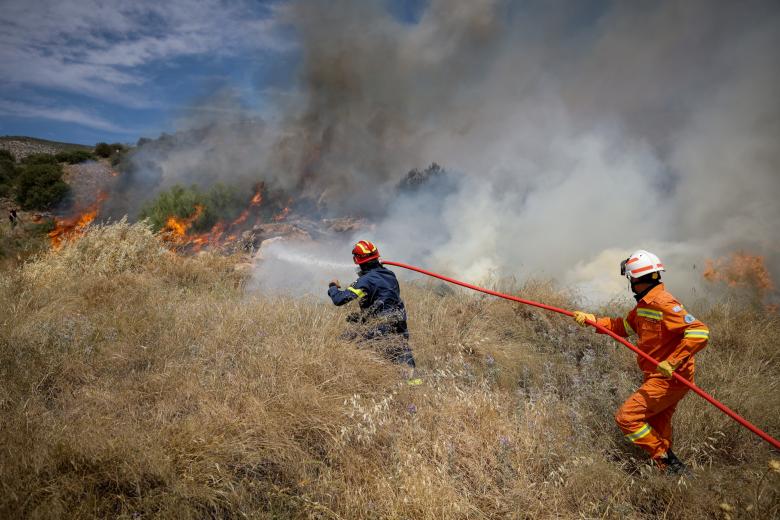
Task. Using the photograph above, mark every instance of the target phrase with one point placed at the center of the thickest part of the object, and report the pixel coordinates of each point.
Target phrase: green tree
(7, 177)
(103, 150)
(40, 186)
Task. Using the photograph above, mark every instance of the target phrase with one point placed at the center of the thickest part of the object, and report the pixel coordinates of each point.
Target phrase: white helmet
(640, 263)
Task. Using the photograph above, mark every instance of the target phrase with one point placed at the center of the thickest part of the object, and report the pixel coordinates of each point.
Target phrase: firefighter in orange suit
(667, 333)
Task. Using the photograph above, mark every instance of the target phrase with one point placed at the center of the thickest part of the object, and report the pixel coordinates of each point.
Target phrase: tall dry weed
(136, 383)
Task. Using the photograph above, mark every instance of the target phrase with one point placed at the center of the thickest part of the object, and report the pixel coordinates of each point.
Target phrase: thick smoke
(574, 132)
(579, 134)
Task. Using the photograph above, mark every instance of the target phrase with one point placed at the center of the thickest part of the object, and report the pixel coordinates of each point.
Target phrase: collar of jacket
(649, 294)
(370, 266)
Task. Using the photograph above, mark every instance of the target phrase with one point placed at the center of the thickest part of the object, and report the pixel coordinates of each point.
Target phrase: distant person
(382, 317)
(667, 333)
(13, 217)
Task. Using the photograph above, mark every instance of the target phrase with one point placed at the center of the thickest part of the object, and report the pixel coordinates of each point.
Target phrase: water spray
(277, 251)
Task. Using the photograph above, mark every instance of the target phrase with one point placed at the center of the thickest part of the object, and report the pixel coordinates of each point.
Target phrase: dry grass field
(135, 383)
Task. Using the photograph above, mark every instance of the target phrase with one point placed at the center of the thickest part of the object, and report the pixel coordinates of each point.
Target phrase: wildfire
(282, 214)
(256, 200)
(73, 227)
(740, 269)
(176, 228)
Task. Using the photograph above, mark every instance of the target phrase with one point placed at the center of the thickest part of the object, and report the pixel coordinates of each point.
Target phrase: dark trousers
(391, 339)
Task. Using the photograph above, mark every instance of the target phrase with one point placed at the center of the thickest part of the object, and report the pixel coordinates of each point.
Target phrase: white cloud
(99, 48)
(68, 115)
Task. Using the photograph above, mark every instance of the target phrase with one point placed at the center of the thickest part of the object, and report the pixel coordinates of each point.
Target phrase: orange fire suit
(666, 331)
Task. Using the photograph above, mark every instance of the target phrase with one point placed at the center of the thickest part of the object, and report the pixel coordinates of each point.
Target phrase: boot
(672, 465)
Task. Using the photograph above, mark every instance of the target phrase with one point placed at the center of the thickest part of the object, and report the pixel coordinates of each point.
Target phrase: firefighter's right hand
(334, 283)
(580, 318)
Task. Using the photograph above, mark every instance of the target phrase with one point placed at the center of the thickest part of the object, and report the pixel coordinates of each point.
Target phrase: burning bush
(219, 203)
(745, 274)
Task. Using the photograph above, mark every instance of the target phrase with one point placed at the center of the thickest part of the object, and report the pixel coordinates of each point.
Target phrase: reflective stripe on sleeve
(629, 330)
(697, 333)
(641, 432)
(650, 314)
(360, 293)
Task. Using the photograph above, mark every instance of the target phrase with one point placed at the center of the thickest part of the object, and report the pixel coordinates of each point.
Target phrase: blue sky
(92, 70)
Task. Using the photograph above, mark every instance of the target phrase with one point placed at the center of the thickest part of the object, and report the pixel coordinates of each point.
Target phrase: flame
(282, 214)
(256, 200)
(176, 228)
(71, 228)
(285, 211)
(740, 269)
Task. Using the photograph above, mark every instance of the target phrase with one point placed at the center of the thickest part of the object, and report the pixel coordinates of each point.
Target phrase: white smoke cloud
(573, 136)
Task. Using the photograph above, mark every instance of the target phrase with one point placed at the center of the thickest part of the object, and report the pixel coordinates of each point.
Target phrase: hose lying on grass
(720, 406)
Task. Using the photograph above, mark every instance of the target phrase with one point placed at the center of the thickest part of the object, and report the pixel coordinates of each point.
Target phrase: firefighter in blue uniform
(382, 316)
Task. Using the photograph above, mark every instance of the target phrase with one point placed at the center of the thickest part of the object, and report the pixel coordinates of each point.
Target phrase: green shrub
(103, 150)
(40, 186)
(7, 175)
(40, 158)
(5, 155)
(74, 156)
(220, 202)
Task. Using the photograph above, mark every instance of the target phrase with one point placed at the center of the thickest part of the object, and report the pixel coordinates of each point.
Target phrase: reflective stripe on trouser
(646, 416)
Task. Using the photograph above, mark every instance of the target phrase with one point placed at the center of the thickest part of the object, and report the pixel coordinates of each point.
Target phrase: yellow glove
(580, 318)
(665, 368)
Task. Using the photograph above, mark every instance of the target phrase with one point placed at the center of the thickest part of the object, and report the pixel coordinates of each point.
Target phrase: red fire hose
(720, 406)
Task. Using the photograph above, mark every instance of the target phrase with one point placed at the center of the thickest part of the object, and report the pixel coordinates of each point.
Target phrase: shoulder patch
(677, 308)
(689, 318)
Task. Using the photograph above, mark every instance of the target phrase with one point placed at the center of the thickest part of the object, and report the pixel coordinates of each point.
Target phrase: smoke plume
(573, 132)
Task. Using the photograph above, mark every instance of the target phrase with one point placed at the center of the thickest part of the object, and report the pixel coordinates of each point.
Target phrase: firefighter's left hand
(665, 368)
(334, 282)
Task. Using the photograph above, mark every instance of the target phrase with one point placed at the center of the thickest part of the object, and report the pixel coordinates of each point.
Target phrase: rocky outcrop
(21, 147)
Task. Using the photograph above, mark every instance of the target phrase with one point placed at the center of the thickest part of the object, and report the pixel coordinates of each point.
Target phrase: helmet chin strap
(651, 282)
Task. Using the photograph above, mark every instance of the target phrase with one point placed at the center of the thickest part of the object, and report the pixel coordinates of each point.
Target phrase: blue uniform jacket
(378, 292)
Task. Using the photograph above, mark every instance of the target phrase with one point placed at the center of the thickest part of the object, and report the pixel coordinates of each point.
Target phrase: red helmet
(364, 251)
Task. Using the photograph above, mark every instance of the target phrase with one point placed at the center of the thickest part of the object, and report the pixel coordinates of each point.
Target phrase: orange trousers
(646, 416)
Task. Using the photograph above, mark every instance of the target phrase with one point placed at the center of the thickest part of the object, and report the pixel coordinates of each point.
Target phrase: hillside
(21, 146)
(138, 383)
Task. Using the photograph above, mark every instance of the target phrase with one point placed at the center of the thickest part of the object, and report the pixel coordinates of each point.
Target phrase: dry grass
(136, 383)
